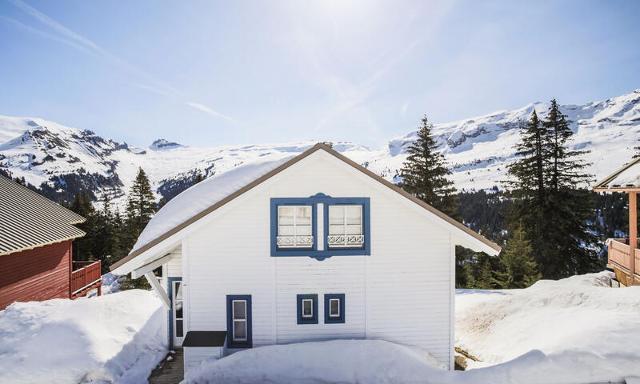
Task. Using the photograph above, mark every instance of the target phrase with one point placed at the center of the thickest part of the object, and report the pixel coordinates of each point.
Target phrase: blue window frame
(239, 332)
(312, 251)
(365, 248)
(334, 308)
(307, 309)
(276, 203)
(170, 294)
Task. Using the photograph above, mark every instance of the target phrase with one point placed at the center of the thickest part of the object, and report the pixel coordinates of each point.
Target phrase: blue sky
(235, 72)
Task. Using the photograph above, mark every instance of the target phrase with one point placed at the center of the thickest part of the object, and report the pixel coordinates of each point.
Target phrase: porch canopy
(623, 255)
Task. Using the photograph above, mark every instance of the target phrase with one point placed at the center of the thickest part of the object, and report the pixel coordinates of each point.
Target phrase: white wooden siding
(302, 275)
(401, 293)
(174, 266)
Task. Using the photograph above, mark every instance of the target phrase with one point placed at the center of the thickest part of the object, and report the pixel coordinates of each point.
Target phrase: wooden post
(633, 231)
(153, 281)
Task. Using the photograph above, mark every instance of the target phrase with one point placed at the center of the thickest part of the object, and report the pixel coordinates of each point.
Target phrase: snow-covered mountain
(61, 159)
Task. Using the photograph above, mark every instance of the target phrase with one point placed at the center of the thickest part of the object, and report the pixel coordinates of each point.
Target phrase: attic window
(295, 226)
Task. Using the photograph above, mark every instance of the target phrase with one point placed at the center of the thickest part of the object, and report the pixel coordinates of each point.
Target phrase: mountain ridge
(60, 159)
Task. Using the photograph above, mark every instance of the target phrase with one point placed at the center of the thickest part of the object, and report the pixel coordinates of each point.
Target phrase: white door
(177, 312)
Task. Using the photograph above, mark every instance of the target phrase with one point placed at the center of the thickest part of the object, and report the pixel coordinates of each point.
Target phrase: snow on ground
(579, 321)
(572, 331)
(115, 338)
(336, 361)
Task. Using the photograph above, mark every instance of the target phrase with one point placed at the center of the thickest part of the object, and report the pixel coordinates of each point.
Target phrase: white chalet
(310, 247)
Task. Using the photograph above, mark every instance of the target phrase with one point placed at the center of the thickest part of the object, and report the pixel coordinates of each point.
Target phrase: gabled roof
(252, 177)
(29, 220)
(625, 178)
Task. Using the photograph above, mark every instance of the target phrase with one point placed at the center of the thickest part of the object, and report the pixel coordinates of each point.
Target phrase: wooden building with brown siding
(624, 253)
(36, 236)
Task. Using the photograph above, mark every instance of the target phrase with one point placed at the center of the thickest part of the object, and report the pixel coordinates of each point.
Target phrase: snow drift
(575, 330)
(115, 338)
(336, 361)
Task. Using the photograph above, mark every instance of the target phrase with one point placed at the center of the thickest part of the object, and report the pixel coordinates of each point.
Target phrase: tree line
(546, 220)
(110, 235)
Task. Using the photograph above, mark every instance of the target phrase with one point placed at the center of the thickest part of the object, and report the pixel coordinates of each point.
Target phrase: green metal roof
(29, 220)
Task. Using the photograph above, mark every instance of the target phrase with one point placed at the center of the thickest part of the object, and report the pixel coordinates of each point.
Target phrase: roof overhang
(605, 185)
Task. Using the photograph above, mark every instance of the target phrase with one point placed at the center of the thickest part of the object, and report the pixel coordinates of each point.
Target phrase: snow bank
(574, 330)
(337, 361)
(115, 338)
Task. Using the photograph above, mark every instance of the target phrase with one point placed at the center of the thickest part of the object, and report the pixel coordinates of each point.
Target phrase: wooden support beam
(151, 266)
(633, 231)
(153, 281)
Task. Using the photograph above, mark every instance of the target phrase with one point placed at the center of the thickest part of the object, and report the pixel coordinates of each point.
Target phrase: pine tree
(569, 239)
(530, 184)
(564, 166)
(529, 168)
(637, 154)
(140, 208)
(107, 241)
(553, 208)
(424, 173)
(83, 247)
(489, 275)
(520, 267)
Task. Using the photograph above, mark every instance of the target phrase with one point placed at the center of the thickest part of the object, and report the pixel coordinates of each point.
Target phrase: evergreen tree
(637, 154)
(569, 208)
(424, 173)
(83, 247)
(520, 267)
(530, 183)
(140, 208)
(553, 208)
(564, 167)
(529, 168)
(107, 245)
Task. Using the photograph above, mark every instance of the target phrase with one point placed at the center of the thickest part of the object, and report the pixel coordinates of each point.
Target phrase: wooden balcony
(86, 275)
(620, 260)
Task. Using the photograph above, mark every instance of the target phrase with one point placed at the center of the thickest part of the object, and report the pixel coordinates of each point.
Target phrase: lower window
(307, 309)
(239, 321)
(334, 308)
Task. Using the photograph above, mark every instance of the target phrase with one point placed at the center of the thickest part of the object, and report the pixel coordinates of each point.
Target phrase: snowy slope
(477, 149)
(115, 338)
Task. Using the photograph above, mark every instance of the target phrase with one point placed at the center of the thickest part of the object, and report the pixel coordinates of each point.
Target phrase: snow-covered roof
(210, 194)
(201, 196)
(625, 178)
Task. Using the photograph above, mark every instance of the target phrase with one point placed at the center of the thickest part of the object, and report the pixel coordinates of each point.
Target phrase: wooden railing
(89, 273)
(620, 254)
